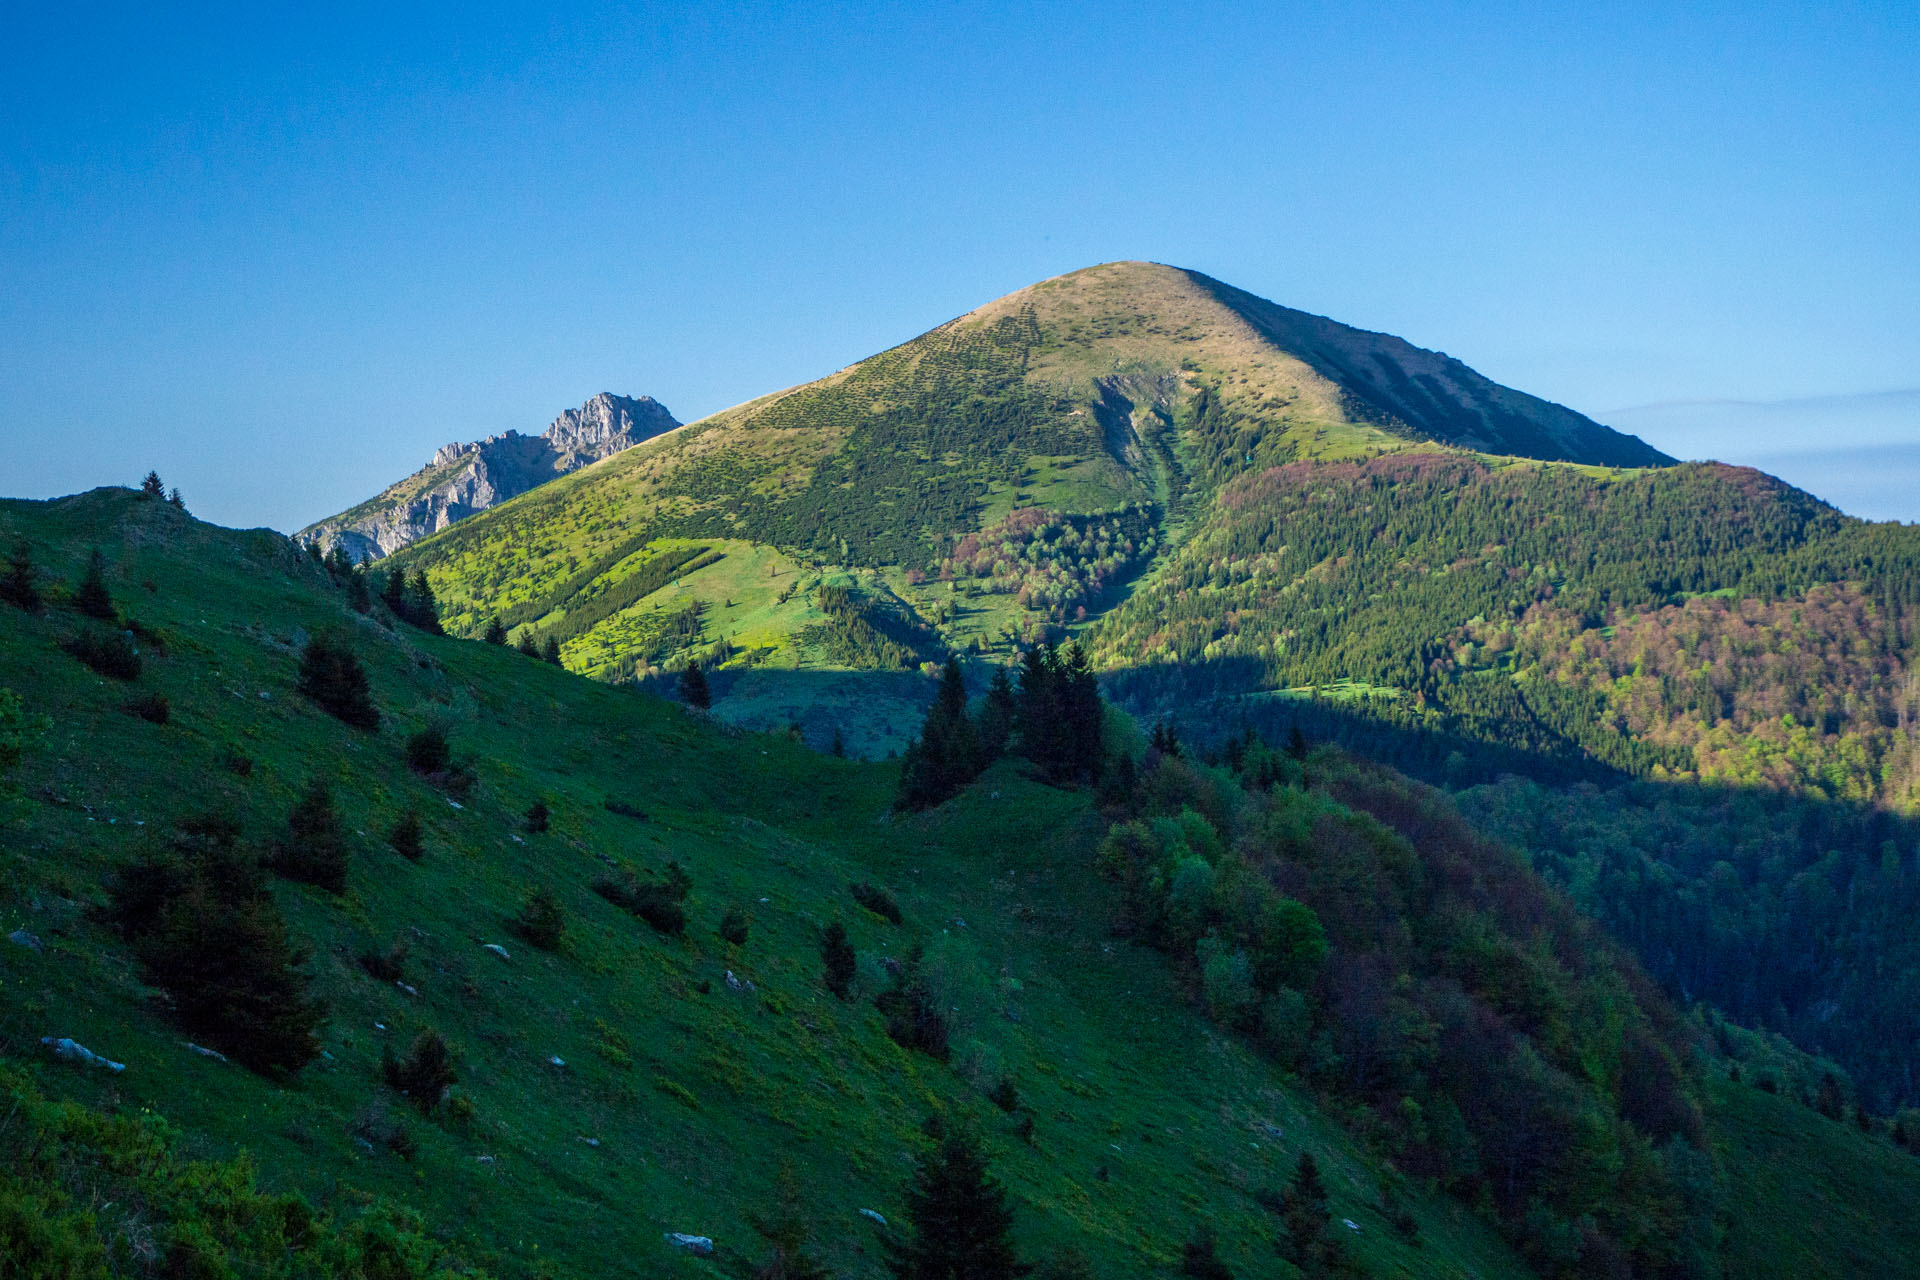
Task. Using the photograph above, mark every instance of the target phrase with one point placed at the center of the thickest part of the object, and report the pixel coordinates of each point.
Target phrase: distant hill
(465, 478)
(1102, 410)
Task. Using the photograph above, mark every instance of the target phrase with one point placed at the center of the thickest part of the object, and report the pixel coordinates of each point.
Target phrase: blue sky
(282, 254)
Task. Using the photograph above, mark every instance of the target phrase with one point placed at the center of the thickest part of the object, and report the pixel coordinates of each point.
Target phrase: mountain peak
(465, 477)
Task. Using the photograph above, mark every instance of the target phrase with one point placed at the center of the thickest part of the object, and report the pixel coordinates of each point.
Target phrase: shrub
(1005, 1095)
(541, 920)
(388, 966)
(110, 653)
(314, 848)
(425, 1074)
(1226, 983)
(539, 817)
(207, 931)
(877, 900)
(836, 953)
(406, 838)
(152, 708)
(428, 752)
(92, 597)
(237, 762)
(655, 901)
(333, 678)
(734, 926)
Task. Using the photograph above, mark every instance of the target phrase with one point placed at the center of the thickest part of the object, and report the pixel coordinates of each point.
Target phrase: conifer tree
(176, 499)
(836, 953)
(393, 592)
(788, 1236)
(527, 645)
(693, 687)
(332, 676)
(18, 587)
(539, 817)
(946, 755)
(314, 848)
(92, 597)
(426, 1073)
(996, 717)
(359, 597)
(550, 651)
(207, 931)
(1200, 1261)
(423, 611)
(1310, 1244)
(496, 634)
(960, 1225)
(151, 487)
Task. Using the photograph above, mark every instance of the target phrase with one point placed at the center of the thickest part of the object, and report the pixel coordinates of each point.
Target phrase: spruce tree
(836, 953)
(426, 1073)
(496, 634)
(550, 651)
(946, 755)
(332, 676)
(1200, 1261)
(423, 611)
(359, 596)
(788, 1236)
(996, 717)
(393, 592)
(207, 931)
(176, 499)
(314, 848)
(18, 588)
(92, 597)
(1310, 1243)
(960, 1225)
(527, 645)
(151, 487)
(693, 687)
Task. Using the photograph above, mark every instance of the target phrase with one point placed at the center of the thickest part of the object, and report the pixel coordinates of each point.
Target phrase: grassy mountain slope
(1114, 400)
(1146, 1120)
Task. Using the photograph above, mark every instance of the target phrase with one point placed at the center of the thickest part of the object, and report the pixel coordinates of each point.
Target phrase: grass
(693, 1094)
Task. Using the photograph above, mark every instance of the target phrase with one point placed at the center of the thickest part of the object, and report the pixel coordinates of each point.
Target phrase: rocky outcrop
(465, 478)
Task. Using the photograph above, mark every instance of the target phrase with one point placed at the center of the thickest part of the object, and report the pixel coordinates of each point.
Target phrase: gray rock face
(465, 478)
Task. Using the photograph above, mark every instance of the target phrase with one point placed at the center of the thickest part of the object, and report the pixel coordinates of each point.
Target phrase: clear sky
(283, 252)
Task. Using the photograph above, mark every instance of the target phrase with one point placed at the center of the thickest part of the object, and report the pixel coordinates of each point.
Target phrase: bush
(539, 817)
(541, 920)
(734, 926)
(425, 1074)
(406, 838)
(389, 966)
(314, 848)
(237, 762)
(152, 708)
(836, 953)
(693, 687)
(428, 752)
(333, 678)
(207, 931)
(110, 653)
(877, 900)
(655, 901)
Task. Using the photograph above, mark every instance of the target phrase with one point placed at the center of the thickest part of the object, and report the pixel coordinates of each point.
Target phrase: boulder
(73, 1051)
(701, 1246)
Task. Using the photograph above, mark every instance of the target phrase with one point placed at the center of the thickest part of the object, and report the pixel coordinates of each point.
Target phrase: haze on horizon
(283, 257)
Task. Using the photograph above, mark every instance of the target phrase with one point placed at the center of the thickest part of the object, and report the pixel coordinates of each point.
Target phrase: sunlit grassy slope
(1130, 386)
(679, 1098)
